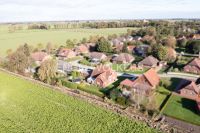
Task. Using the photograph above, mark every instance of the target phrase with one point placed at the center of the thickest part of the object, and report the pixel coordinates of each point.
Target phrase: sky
(56, 10)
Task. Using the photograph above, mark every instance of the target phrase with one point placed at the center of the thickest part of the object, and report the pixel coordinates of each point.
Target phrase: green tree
(47, 71)
(103, 45)
(182, 43)
(170, 41)
(193, 46)
(19, 60)
(69, 44)
(162, 53)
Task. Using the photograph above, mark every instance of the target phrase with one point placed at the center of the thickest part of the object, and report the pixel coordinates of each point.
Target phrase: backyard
(182, 108)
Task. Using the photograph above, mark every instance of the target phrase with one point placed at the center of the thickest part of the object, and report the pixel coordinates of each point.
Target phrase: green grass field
(28, 107)
(56, 37)
(183, 109)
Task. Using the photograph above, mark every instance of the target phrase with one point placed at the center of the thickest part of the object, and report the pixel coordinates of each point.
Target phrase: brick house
(97, 56)
(66, 53)
(144, 84)
(82, 49)
(102, 76)
(123, 58)
(39, 57)
(190, 90)
(193, 66)
(149, 62)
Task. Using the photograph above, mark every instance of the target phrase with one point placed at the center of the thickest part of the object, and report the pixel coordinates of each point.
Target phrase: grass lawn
(182, 108)
(29, 107)
(161, 95)
(57, 37)
(73, 59)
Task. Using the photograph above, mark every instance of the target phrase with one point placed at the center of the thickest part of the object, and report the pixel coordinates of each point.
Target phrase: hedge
(87, 88)
(69, 84)
(90, 89)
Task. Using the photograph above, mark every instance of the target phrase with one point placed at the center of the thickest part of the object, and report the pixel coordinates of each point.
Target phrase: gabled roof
(127, 82)
(39, 56)
(97, 55)
(192, 86)
(152, 77)
(82, 48)
(195, 62)
(150, 61)
(124, 57)
(100, 69)
(64, 52)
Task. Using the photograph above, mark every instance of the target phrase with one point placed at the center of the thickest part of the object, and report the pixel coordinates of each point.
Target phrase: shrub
(69, 84)
(85, 62)
(90, 89)
(121, 100)
(165, 83)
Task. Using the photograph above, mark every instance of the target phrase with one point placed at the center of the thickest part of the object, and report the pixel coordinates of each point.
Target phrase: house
(149, 62)
(64, 67)
(123, 58)
(66, 53)
(190, 90)
(82, 49)
(39, 57)
(143, 85)
(193, 66)
(142, 49)
(102, 76)
(97, 56)
(137, 38)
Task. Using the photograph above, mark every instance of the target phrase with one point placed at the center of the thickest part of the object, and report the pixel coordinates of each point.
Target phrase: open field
(28, 107)
(56, 37)
(183, 109)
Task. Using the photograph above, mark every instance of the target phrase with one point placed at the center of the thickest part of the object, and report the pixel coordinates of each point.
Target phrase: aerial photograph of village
(100, 66)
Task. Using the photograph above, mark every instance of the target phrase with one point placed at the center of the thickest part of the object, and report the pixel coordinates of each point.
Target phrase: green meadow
(57, 37)
(29, 107)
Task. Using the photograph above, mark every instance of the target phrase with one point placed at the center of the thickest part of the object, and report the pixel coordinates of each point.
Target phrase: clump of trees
(103, 45)
(193, 46)
(20, 60)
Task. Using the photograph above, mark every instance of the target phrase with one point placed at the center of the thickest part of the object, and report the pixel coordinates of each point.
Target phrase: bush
(69, 84)
(165, 83)
(85, 62)
(90, 89)
(121, 100)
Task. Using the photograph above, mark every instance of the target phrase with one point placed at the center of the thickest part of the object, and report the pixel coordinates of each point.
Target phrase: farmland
(57, 37)
(28, 107)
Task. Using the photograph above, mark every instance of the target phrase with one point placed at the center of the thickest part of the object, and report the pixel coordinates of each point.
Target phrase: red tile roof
(149, 61)
(124, 57)
(152, 77)
(127, 82)
(39, 56)
(64, 52)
